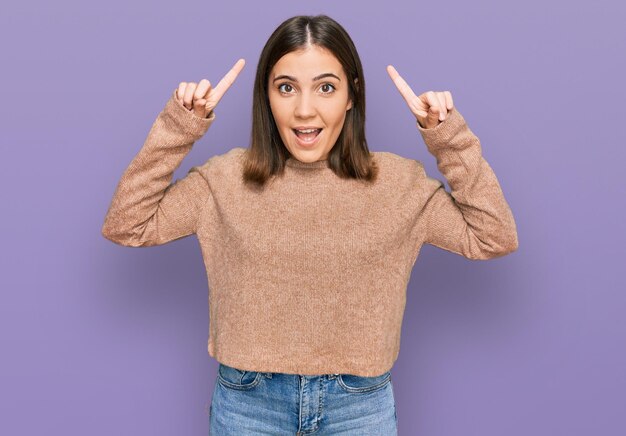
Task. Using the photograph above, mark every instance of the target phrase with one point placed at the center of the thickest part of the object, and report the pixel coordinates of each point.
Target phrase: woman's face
(308, 89)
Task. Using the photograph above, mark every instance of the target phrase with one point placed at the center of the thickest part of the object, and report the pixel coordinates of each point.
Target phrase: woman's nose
(305, 107)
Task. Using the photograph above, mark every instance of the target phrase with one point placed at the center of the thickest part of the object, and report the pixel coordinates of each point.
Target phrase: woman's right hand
(201, 97)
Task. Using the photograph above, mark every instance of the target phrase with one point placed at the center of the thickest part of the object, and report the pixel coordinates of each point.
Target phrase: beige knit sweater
(309, 276)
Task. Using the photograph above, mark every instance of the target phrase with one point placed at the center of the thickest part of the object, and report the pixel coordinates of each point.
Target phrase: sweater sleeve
(474, 220)
(146, 208)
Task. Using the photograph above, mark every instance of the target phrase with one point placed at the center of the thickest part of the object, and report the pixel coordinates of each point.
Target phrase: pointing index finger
(403, 87)
(228, 80)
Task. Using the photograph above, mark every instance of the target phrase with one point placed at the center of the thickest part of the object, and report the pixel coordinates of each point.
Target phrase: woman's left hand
(430, 108)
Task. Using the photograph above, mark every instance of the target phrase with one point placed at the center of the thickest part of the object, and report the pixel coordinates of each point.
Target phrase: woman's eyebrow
(293, 79)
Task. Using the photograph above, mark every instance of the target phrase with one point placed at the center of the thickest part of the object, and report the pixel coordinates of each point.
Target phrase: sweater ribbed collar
(295, 163)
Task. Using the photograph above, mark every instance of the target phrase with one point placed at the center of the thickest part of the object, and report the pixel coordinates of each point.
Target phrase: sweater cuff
(440, 136)
(187, 120)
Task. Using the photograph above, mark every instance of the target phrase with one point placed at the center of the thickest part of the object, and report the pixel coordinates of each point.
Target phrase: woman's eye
(280, 88)
(325, 88)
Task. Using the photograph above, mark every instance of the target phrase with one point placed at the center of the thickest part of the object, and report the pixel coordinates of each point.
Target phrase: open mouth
(307, 135)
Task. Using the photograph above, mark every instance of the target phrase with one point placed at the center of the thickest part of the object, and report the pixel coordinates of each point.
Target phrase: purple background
(99, 339)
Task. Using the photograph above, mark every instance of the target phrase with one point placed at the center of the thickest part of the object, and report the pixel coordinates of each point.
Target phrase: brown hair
(349, 157)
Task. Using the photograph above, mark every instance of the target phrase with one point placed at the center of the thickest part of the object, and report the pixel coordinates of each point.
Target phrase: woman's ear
(356, 84)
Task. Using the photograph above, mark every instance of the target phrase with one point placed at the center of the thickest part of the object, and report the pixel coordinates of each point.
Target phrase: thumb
(433, 115)
(199, 107)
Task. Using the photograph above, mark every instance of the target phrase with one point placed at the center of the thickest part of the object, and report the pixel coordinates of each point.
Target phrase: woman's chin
(308, 156)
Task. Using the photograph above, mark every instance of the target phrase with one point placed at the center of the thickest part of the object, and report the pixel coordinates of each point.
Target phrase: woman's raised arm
(474, 220)
(146, 208)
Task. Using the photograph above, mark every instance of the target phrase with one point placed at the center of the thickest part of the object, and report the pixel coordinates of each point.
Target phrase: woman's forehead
(310, 64)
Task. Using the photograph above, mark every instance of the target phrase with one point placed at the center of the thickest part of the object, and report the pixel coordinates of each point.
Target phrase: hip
(249, 402)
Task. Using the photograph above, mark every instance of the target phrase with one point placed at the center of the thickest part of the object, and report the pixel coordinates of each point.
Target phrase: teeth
(307, 131)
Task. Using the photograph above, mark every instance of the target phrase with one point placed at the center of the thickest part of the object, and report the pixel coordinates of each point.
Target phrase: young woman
(307, 237)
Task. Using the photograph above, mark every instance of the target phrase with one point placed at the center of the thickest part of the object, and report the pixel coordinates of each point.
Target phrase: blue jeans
(273, 403)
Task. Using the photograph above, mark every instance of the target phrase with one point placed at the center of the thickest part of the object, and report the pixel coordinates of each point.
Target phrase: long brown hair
(350, 156)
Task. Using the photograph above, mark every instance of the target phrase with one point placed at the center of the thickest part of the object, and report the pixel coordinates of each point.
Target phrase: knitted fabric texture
(309, 275)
